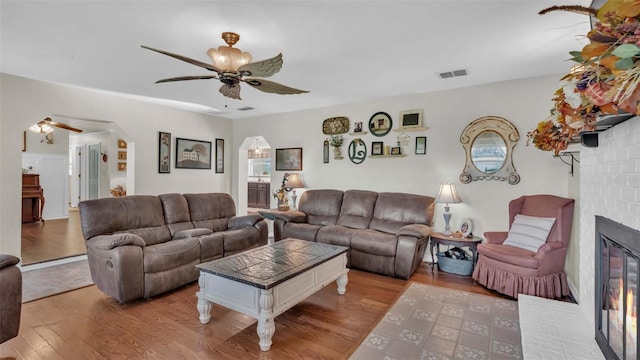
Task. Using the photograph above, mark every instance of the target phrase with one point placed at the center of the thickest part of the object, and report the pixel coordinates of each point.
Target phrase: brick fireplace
(609, 188)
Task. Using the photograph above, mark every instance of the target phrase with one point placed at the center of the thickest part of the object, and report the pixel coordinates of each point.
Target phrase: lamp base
(446, 232)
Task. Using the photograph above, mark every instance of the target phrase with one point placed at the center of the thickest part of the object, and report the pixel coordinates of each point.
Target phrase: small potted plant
(336, 142)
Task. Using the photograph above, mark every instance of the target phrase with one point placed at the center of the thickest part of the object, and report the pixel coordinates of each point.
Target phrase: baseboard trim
(46, 264)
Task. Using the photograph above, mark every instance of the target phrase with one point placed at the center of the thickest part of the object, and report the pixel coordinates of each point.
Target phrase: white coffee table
(268, 280)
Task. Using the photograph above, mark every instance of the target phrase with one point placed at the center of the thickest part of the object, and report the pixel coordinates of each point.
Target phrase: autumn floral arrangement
(604, 81)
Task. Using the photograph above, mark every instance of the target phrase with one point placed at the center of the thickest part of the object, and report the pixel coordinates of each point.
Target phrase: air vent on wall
(455, 73)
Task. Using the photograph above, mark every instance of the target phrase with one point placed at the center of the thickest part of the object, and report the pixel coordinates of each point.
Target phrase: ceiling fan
(233, 66)
(47, 125)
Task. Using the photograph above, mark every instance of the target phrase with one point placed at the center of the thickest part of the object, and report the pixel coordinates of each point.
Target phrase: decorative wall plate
(357, 151)
(335, 125)
(380, 124)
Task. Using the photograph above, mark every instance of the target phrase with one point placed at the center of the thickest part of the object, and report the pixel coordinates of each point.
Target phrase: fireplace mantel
(590, 138)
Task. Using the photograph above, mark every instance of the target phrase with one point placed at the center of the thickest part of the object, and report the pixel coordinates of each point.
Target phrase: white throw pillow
(529, 232)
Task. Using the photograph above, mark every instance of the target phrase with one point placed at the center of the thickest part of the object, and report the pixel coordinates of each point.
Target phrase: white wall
(24, 102)
(609, 187)
(523, 102)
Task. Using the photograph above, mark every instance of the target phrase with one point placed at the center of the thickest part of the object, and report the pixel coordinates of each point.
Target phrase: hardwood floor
(86, 324)
(52, 239)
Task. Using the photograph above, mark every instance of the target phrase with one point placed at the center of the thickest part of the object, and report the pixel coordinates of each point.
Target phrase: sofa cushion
(171, 254)
(211, 246)
(357, 208)
(394, 210)
(510, 255)
(240, 240)
(176, 212)
(301, 231)
(335, 235)
(212, 210)
(321, 206)
(374, 242)
(138, 214)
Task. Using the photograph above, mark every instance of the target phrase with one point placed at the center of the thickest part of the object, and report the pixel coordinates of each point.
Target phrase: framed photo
(421, 145)
(122, 166)
(289, 159)
(466, 226)
(380, 124)
(193, 154)
(410, 119)
(164, 152)
(122, 144)
(357, 128)
(376, 147)
(122, 155)
(220, 156)
(395, 150)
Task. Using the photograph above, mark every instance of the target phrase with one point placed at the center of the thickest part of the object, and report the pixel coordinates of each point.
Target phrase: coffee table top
(269, 265)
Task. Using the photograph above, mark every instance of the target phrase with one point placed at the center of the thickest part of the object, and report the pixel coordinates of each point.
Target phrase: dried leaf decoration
(594, 50)
(629, 8)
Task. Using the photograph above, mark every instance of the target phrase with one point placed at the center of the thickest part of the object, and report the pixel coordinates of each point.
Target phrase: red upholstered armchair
(513, 270)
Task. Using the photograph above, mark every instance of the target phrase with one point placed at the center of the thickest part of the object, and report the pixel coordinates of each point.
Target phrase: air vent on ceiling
(245, 108)
(456, 73)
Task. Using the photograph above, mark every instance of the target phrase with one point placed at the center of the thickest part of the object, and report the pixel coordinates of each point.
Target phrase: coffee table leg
(342, 283)
(266, 327)
(204, 305)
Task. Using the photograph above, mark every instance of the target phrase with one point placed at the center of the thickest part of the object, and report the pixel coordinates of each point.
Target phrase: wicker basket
(454, 266)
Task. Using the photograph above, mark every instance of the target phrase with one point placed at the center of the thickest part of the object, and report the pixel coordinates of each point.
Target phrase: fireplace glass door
(617, 297)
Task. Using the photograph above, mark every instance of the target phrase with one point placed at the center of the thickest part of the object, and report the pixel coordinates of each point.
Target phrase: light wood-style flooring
(86, 324)
(52, 239)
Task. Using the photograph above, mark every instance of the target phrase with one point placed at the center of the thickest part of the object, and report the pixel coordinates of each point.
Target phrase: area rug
(435, 323)
(53, 280)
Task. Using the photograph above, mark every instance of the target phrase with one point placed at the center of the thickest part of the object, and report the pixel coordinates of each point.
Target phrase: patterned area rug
(53, 280)
(430, 322)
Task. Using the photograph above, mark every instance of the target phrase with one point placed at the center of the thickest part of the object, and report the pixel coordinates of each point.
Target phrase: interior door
(76, 175)
(93, 172)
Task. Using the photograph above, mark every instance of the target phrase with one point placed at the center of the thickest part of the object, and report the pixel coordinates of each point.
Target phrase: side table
(438, 238)
(270, 213)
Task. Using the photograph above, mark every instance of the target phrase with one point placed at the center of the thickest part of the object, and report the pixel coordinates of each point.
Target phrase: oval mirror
(488, 152)
(488, 143)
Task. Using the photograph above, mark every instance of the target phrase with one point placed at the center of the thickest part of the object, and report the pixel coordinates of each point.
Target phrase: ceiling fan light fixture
(41, 128)
(228, 58)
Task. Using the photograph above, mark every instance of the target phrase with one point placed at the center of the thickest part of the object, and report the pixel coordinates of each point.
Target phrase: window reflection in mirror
(488, 152)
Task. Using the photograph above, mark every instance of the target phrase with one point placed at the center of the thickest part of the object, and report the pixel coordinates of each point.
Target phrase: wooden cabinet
(259, 195)
(32, 198)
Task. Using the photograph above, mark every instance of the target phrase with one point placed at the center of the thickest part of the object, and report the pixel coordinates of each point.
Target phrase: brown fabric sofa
(143, 245)
(387, 233)
(10, 297)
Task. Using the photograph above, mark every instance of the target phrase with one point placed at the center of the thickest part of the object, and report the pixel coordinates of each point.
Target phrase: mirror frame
(509, 134)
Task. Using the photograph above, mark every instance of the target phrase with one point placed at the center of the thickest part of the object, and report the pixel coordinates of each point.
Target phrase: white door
(76, 175)
(93, 172)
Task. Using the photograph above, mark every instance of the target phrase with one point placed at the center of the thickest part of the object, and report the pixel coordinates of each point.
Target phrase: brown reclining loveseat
(144, 245)
(386, 232)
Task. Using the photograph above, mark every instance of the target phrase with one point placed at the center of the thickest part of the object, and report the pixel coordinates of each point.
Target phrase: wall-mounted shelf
(358, 133)
(412, 129)
(570, 155)
(387, 156)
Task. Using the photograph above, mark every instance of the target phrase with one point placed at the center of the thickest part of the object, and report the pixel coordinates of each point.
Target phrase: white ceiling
(342, 51)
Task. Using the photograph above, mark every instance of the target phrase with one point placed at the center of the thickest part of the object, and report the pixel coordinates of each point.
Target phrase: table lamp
(294, 181)
(447, 195)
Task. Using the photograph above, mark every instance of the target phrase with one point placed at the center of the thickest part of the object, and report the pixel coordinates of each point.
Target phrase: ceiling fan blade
(263, 68)
(61, 125)
(180, 78)
(231, 91)
(184, 58)
(273, 87)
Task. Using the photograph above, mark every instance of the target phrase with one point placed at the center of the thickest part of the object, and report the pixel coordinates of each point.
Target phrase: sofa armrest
(239, 222)
(8, 260)
(108, 242)
(292, 216)
(496, 237)
(182, 234)
(417, 230)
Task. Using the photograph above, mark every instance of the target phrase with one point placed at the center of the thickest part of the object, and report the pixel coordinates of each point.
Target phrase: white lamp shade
(448, 194)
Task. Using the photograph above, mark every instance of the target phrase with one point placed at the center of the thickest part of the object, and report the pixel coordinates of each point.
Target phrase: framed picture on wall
(289, 159)
(411, 119)
(193, 154)
(376, 147)
(219, 156)
(164, 152)
(421, 145)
